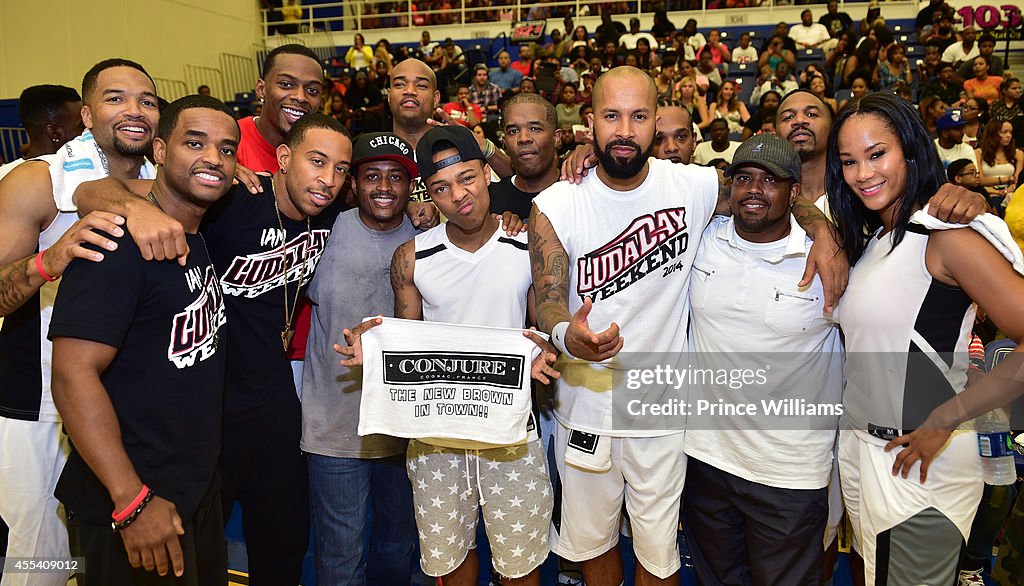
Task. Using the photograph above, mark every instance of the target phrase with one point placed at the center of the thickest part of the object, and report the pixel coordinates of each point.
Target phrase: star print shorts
(510, 484)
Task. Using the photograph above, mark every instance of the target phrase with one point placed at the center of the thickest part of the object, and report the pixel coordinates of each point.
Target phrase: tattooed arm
(408, 303)
(549, 263)
(26, 209)
(550, 266)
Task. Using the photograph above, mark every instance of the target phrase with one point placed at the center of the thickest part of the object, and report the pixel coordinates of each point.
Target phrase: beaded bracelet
(118, 526)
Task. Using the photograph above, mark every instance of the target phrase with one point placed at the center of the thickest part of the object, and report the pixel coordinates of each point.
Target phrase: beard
(623, 168)
(132, 149)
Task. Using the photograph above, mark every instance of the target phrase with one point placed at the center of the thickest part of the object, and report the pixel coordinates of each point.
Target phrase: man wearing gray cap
(756, 484)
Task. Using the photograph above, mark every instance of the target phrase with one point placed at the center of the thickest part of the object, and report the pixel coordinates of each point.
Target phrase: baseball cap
(383, 146)
(769, 151)
(951, 119)
(459, 137)
(480, 66)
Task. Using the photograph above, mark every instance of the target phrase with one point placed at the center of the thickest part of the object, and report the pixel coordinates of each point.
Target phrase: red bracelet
(127, 511)
(39, 267)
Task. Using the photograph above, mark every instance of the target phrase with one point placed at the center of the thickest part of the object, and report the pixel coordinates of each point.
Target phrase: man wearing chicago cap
(467, 271)
(756, 497)
(950, 142)
(349, 473)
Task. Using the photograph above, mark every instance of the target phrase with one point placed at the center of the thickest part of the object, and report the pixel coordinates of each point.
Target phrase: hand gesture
(922, 444)
(578, 164)
(541, 370)
(354, 342)
(582, 343)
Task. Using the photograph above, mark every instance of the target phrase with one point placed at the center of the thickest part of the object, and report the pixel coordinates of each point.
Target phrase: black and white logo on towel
(499, 370)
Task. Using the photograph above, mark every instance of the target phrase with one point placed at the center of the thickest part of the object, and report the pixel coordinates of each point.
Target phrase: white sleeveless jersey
(907, 336)
(631, 253)
(483, 288)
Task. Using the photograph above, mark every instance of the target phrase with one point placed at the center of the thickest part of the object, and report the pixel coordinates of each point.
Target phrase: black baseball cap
(383, 146)
(458, 137)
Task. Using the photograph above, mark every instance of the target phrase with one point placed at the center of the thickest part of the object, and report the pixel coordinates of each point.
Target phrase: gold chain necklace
(289, 314)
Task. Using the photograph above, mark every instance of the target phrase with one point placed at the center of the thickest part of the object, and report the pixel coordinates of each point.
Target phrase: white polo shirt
(746, 312)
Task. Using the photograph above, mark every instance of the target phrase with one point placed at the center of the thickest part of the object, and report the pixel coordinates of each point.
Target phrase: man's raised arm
(159, 236)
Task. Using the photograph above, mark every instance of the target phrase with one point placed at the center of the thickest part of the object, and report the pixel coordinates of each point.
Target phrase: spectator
(610, 55)
(835, 60)
(462, 110)
(528, 86)
(767, 107)
(873, 15)
(585, 96)
(926, 15)
(904, 91)
(688, 96)
(693, 37)
(646, 58)
(744, 53)
(720, 54)
(580, 38)
(504, 76)
(986, 48)
(976, 115)
(437, 60)
(663, 29)
(359, 56)
(335, 107)
(942, 35)
(863, 62)
(719, 147)
(859, 87)
(629, 40)
(706, 66)
(964, 173)
(782, 32)
(525, 63)
(366, 105)
(456, 61)
(945, 86)
(665, 81)
(609, 31)
(568, 110)
(834, 21)
(203, 90)
(999, 160)
(484, 93)
(983, 85)
(291, 15)
(928, 69)
(781, 82)
(959, 53)
(426, 46)
(1007, 107)
(728, 107)
(950, 142)
(931, 109)
(809, 34)
(776, 53)
(895, 69)
(819, 88)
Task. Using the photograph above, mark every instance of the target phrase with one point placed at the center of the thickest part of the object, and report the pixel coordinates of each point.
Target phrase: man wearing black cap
(950, 142)
(468, 272)
(348, 472)
(762, 516)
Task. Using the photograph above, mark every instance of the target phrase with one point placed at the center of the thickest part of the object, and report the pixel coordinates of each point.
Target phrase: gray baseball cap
(770, 152)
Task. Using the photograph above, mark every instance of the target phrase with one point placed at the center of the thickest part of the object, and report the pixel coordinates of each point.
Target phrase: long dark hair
(988, 142)
(924, 171)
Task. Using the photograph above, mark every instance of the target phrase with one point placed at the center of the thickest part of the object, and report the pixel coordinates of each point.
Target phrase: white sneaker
(970, 578)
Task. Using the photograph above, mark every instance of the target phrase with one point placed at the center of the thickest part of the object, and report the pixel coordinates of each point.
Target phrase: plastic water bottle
(995, 448)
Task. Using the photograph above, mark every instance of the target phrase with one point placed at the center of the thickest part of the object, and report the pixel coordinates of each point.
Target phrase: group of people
(189, 359)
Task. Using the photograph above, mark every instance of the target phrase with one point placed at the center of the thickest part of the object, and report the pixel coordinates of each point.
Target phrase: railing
(361, 15)
(239, 74)
(171, 89)
(11, 140)
(197, 75)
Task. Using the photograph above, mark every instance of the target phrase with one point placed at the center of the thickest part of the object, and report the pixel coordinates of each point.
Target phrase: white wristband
(558, 337)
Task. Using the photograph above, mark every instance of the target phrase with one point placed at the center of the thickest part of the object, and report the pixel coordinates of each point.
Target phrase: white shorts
(876, 501)
(648, 474)
(32, 456)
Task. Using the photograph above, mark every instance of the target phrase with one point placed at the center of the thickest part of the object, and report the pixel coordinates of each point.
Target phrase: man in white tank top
(469, 271)
(40, 234)
(611, 260)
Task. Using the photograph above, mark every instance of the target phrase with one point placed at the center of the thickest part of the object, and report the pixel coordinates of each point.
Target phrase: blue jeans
(341, 491)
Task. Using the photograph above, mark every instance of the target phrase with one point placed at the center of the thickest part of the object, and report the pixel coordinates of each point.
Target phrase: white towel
(992, 227)
(78, 161)
(437, 380)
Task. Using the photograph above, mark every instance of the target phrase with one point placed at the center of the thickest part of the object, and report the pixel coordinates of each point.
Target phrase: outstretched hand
(354, 342)
(583, 343)
(541, 370)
